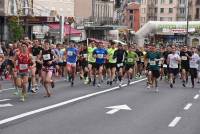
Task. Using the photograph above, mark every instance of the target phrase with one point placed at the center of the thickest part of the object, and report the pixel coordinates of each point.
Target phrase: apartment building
(167, 10)
(61, 7)
(195, 15)
(132, 16)
(158, 10)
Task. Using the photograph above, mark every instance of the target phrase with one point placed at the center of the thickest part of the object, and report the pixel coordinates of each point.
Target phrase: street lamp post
(187, 19)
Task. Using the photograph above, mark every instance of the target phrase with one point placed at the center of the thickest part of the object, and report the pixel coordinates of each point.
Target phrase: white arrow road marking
(6, 105)
(117, 108)
(4, 121)
(4, 100)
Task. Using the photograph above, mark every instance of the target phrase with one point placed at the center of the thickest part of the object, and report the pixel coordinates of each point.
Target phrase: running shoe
(22, 98)
(33, 90)
(52, 84)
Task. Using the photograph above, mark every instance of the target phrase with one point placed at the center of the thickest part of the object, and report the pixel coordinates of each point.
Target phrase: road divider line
(174, 122)
(188, 106)
(10, 119)
(196, 96)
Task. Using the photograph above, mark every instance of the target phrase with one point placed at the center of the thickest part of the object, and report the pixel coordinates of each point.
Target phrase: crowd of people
(30, 63)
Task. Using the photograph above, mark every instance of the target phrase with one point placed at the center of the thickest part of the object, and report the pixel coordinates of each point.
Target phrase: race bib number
(85, 55)
(46, 57)
(23, 66)
(142, 59)
(120, 65)
(69, 53)
(100, 56)
(165, 66)
(130, 60)
(152, 62)
(184, 57)
(34, 58)
(160, 62)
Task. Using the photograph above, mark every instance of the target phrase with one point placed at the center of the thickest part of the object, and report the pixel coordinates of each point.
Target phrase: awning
(67, 29)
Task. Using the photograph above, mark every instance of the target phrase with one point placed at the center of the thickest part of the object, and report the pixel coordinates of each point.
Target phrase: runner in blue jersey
(72, 54)
(100, 53)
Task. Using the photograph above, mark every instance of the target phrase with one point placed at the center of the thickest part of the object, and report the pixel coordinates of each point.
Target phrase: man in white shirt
(173, 62)
(193, 65)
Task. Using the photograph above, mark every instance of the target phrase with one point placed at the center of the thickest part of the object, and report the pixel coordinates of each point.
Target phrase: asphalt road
(83, 110)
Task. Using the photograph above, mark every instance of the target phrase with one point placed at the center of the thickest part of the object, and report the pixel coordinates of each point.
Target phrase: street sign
(117, 108)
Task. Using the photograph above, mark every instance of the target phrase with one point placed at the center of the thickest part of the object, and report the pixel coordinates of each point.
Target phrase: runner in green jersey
(131, 58)
(111, 66)
(153, 58)
(91, 60)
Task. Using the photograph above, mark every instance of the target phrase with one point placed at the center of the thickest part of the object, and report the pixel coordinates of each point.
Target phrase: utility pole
(187, 19)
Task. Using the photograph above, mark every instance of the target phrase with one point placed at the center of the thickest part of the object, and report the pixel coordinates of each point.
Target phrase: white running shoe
(149, 86)
(157, 90)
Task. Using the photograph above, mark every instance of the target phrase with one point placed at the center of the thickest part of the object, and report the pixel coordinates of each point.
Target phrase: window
(161, 10)
(162, 18)
(197, 2)
(182, 1)
(131, 26)
(131, 17)
(143, 19)
(156, 10)
(169, 18)
(162, 1)
(143, 10)
(131, 11)
(197, 13)
(182, 10)
(170, 1)
(170, 10)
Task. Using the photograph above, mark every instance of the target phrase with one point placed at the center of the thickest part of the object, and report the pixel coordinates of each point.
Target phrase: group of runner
(33, 62)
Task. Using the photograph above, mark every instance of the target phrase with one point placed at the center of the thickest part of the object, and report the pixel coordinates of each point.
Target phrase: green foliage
(16, 30)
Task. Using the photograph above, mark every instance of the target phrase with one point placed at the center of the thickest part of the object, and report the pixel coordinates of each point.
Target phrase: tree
(15, 29)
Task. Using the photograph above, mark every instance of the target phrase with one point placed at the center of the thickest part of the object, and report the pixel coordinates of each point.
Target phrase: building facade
(132, 16)
(61, 7)
(168, 10)
(195, 10)
(158, 10)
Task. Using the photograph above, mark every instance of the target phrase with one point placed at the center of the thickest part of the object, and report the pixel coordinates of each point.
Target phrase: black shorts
(38, 68)
(155, 73)
(128, 66)
(84, 64)
(187, 68)
(110, 65)
(193, 72)
(174, 71)
(97, 66)
(61, 64)
(119, 65)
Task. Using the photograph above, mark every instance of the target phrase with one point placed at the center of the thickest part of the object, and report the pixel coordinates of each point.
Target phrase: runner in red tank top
(23, 61)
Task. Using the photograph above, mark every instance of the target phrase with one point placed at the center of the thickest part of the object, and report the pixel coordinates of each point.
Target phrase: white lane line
(5, 105)
(6, 89)
(112, 111)
(4, 100)
(4, 121)
(174, 122)
(187, 107)
(196, 96)
(12, 88)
